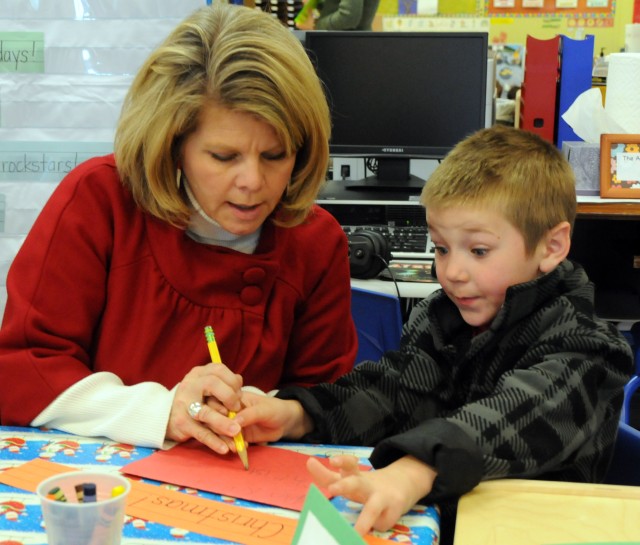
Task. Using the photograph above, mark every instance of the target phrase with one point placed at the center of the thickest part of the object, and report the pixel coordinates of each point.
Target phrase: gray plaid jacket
(537, 395)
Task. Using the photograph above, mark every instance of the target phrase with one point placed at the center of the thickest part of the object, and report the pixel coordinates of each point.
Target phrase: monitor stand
(372, 189)
(412, 184)
(392, 181)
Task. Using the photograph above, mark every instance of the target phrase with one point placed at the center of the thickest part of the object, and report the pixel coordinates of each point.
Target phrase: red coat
(100, 286)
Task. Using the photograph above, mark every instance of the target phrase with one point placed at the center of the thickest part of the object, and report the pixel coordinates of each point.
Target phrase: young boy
(505, 372)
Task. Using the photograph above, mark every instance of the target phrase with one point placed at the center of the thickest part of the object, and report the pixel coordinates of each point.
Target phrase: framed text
(620, 166)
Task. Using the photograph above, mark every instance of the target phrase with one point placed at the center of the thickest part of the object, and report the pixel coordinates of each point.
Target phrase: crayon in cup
(56, 494)
(89, 491)
(117, 490)
(79, 488)
(98, 522)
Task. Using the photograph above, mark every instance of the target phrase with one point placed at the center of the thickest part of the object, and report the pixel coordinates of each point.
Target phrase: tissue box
(584, 158)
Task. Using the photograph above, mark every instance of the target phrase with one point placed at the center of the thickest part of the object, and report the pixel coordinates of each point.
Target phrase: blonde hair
(238, 58)
(512, 171)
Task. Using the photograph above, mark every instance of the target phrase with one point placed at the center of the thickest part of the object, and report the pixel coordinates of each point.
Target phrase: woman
(204, 216)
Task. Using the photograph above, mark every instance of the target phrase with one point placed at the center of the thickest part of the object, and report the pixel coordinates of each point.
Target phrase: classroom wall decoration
(65, 67)
(588, 13)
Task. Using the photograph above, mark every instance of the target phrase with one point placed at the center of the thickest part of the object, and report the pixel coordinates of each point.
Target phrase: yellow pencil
(215, 358)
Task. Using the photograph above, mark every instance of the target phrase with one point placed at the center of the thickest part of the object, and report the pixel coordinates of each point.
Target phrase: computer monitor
(395, 96)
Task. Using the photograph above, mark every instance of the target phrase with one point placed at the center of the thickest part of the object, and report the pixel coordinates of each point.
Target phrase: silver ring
(194, 409)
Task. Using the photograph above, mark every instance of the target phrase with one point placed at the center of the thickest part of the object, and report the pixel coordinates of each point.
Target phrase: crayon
(56, 494)
(89, 490)
(117, 490)
(79, 492)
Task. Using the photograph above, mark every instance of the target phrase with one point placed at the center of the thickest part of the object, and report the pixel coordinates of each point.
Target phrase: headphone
(369, 253)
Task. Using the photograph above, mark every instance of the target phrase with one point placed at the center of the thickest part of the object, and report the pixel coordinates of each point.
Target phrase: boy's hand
(386, 494)
(268, 419)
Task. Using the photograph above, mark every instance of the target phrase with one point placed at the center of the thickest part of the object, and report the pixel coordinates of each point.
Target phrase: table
(597, 207)
(21, 518)
(606, 242)
(527, 512)
(590, 208)
(408, 290)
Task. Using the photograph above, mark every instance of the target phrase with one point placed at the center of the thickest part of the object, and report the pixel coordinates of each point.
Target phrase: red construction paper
(276, 476)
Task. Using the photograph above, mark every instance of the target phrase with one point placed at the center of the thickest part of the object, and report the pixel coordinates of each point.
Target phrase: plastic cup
(73, 522)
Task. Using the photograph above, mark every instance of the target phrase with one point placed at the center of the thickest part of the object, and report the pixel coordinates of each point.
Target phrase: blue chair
(625, 465)
(633, 384)
(635, 344)
(629, 390)
(378, 320)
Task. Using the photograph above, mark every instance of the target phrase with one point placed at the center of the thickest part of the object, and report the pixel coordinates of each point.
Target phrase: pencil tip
(245, 459)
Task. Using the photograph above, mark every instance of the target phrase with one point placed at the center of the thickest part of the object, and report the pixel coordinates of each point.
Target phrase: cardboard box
(584, 158)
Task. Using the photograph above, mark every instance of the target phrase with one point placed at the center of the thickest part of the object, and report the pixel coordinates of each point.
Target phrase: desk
(408, 290)
(20, 514)
(595, 207)
(606, 242)
(589, 208)
(594, 239)
(523, 512)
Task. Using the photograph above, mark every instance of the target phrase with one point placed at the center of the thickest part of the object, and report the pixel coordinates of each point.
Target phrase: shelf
(613, 210)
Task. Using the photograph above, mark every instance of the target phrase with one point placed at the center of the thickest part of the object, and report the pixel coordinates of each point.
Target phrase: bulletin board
(554, 8)
(65, 68)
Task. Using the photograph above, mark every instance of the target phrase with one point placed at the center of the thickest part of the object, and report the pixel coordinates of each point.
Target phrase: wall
(511, 28)
(64, 70)
(611, 38)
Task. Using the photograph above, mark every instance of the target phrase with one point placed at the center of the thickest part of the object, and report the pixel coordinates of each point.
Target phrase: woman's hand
(217, 388)
(386, 494)
(267, 419)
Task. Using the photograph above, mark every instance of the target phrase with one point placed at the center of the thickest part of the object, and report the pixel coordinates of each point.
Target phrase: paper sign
(427, 7)
(45, 161)
(276, 476)
(180, 510)
(22, 52)
(321, 522)
(176, 509)
(628, 166)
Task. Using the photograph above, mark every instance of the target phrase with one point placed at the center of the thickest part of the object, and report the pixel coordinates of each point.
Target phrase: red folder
(540, 87)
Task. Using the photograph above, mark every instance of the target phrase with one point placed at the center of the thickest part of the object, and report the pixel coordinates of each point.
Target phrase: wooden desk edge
(602, 208)
(530, 512)
(555, 487)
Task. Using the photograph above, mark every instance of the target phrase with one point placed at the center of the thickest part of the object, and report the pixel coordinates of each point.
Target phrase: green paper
(22, 52)
(321, 522)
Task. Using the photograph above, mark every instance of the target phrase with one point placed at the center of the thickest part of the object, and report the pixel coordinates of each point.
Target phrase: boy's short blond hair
(513, 171)
(238, 58)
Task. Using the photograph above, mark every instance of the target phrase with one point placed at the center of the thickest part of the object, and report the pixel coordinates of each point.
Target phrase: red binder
(540, 87)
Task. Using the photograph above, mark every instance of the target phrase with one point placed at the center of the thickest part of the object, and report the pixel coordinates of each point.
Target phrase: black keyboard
(411, 242)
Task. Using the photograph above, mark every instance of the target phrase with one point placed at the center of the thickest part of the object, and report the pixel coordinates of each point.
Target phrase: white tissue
(632, 38)
(588, 118)
(623, 91)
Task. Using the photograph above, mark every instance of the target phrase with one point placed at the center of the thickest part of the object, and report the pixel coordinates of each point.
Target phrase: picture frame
(620, 166)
